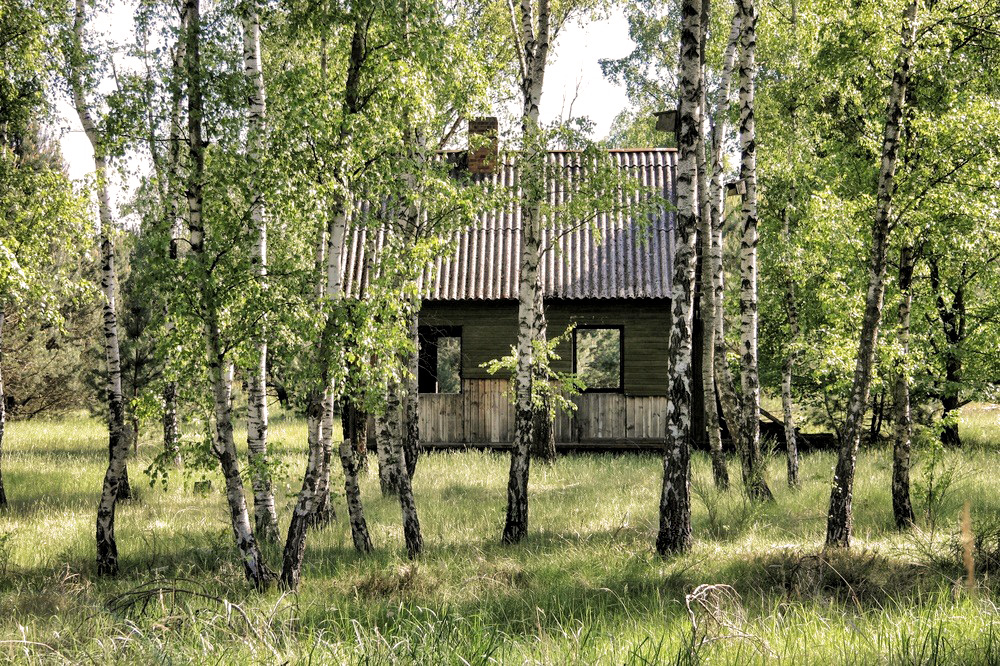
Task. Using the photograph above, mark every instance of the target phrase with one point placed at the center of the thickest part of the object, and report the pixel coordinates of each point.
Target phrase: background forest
(181, 350)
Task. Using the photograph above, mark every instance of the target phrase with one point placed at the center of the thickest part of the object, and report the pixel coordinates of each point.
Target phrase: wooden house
(611, 278)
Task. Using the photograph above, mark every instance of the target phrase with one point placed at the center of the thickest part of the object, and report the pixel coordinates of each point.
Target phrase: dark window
(440, 369)
(597, 357)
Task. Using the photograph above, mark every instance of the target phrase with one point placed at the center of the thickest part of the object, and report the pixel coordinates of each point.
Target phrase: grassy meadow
(586, 586)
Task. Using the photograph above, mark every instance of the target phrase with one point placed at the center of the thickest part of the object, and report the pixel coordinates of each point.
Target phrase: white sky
(573, 61)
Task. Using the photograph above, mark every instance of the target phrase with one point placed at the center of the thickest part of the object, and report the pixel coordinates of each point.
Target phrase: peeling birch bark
(840, 519)
(674, 534)
(388, 431)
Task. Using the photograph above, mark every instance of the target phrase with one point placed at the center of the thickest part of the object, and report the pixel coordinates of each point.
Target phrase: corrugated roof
(611, 257)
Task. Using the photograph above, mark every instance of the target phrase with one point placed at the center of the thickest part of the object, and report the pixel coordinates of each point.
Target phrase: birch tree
(533, 37)
(754, 482)
(840, 519)
(710, 237)
(173, 178)
(902, 509)
(224, 446)
(788, 367)
(265, 515)
(322, 389)
(674, 534)
(114, 477)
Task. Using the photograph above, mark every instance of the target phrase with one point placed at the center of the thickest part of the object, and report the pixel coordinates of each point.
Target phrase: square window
(597, 357)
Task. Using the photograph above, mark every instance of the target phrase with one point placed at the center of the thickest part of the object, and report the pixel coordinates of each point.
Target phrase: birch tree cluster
(837, 235)
(855, 124)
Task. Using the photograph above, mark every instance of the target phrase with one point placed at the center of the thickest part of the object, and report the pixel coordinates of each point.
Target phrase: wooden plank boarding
(483, 415)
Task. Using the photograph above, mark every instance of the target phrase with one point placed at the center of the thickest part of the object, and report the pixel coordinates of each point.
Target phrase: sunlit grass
(585, 587)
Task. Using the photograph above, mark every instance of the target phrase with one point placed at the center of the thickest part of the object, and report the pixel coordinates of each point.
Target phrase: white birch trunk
(415, 147)
(840, 519)
(674, 534)
(324, 511)
(390, 425)
(406, 437)
(295, 542)
(720, 473)
(534, 45)
(265, 514)
(107, 548)
(383, 455)
(902, 509)
(754, 483)
(723, 378)
(225, 447)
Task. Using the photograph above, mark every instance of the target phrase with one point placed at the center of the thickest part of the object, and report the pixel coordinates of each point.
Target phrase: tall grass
(585, 587)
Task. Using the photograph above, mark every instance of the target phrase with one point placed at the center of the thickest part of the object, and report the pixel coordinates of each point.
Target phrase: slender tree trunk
(533, 53)
(707, 308)
(723, 380)
(296, 541)
(754, 482)
(952, 319)
(543, 439)
(411, 398)
(391, 431)
(675, 499)
(171, 429)
(324, 511)
(3, 412)
(384, 449)
(902, 510)
(791, 306)
(787, 404)
(114, 477)
(355, 426)
(225, 447)
(410, 214)
(840, 520)
(355, 511)
(175, 205)
(265, 514)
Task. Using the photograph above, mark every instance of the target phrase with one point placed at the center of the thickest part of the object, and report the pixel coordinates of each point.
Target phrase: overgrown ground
(586, 587)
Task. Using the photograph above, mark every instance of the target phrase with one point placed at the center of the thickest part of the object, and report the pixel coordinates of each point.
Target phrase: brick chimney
(483, 145)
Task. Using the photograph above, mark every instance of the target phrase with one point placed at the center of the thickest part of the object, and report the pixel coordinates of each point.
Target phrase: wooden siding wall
(483, 413)
(489, 329)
